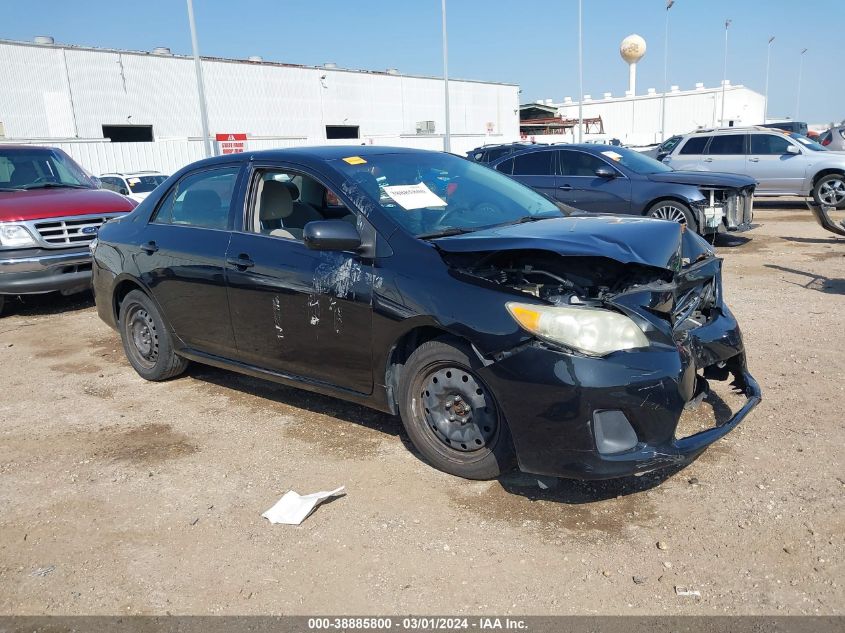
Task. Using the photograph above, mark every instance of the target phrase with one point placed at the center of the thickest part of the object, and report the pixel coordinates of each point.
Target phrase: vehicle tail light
(826, 140)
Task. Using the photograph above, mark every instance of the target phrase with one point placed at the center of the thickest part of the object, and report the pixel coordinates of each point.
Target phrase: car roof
(22, 147)
(144, 172)
(733, 130)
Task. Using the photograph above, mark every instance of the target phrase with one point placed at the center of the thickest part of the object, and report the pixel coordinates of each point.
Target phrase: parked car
(606, 179)
(659, 152)
(834, 139)
(795, 127)
(782, 163)
(50, 210)
(489, 153)
(497, 327)
(133, 184)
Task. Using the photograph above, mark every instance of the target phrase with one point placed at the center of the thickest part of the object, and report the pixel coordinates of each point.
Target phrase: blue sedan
(608, 179)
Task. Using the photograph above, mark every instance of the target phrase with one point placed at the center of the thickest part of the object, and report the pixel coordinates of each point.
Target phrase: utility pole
(447, 137)
(669, 4)
(580, 75)
(766, 96)
(724, 74)
(200, 85)
(800, 72)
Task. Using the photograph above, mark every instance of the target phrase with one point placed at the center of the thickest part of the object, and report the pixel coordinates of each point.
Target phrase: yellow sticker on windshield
(354, 160)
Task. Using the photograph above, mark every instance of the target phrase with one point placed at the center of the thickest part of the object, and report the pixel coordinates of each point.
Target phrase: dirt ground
(119, 496)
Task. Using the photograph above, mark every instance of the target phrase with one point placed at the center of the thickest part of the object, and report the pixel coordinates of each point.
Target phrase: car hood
(38, 204)
(703, 178)
(629, 240)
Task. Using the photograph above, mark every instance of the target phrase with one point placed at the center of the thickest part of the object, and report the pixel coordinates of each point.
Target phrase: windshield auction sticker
(354, 160)
(411, 197)
(613, 155)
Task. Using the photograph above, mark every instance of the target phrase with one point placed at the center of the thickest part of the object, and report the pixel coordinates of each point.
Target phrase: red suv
(50, 211)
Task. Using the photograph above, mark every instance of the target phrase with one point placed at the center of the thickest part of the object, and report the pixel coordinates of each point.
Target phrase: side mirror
(605, 172)
(331, 235)
(791, 149)
(124, 191)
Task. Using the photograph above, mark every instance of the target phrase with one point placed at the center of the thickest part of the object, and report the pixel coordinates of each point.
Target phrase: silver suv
(782, 163)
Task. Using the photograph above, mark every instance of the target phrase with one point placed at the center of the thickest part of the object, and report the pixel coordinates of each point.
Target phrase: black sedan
(422, 284)
(608, 179)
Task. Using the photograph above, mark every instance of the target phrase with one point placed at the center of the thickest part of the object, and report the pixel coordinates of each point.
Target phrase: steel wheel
(142, 336)
(457, 408)
(831, 192)
(669, 211)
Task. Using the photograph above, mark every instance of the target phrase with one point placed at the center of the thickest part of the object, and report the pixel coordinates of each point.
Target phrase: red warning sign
(231, 143)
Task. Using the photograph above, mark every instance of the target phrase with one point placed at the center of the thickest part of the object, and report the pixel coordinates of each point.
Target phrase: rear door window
(201, 199)
(695, 145)
(727, 144)
(533, 164)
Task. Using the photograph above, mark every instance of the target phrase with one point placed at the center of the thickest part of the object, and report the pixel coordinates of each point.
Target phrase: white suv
(782, 163)
(133, 184)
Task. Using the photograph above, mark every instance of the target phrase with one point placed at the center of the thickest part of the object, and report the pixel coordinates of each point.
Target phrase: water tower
(632, 50)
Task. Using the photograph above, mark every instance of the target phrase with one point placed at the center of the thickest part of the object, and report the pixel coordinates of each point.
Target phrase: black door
(535, 169)
(181, 258)
(296, 311)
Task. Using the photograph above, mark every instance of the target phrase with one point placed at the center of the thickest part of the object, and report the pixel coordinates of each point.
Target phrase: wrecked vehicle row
(417, 283)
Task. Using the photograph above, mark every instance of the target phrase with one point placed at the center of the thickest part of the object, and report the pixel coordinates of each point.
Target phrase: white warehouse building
(637, 119)
(117, 109)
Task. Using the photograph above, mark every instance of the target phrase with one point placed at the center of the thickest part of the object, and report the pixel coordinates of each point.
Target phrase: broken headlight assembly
(592, 331)
(15, 236)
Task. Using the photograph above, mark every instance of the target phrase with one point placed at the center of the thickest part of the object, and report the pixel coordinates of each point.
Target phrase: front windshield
(432, 193)
(37, 168)
(144, 184)
(807, 142)
(635, 161)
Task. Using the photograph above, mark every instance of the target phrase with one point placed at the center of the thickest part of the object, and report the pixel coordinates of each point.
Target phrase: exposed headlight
(15, 235)
(594, 331)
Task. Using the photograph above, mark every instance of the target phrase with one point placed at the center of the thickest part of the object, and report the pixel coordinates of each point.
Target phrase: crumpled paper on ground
(293, 508)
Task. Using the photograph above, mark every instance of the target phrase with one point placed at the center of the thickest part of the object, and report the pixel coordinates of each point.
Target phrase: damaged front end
(728, 206)
(579, 407)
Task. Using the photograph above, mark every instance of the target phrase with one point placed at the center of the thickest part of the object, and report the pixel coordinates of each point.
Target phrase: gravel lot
(120, 496)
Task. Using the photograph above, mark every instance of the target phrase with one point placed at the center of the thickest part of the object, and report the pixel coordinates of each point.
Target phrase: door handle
(242, 261)
(708, 160)
(149, 248)
(754, 160)
(565, 187)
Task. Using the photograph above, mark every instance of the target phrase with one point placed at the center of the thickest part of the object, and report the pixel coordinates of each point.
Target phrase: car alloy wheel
(143, 336)
(670, 212)
(457, 408)
(832, 192)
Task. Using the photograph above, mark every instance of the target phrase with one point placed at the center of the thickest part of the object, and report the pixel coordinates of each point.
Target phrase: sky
(532, 44)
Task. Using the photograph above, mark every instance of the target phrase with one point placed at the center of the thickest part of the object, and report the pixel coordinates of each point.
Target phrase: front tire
(146, 340)
(673, 211)
(451, 415)
(830, 191)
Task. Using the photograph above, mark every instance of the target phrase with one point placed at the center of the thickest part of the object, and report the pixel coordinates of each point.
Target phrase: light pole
(580, 76)
(200, 85)
(766, 96)
(800, 72)
(724, 74)
(669, 4)
(447, 136)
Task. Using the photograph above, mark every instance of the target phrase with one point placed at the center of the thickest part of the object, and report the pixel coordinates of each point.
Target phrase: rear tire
(830, 191)
(675, 212)
(450, 415)
(2, 302)
(146, 339)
